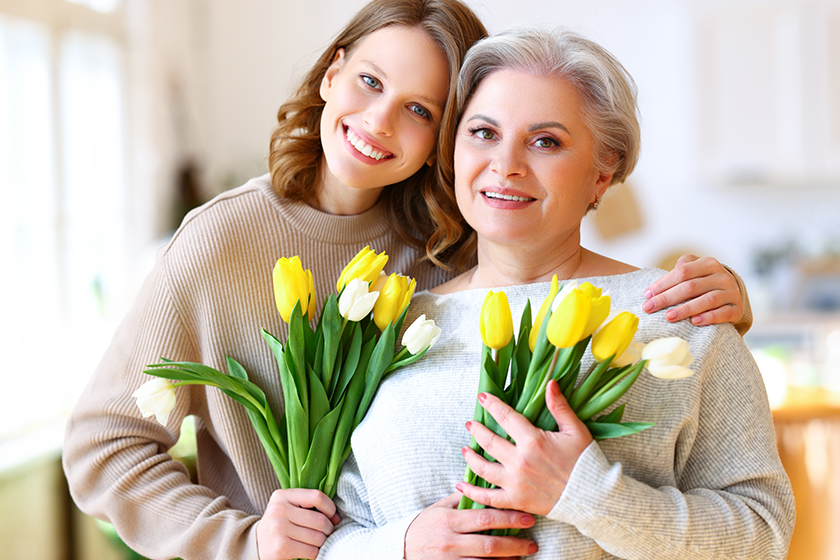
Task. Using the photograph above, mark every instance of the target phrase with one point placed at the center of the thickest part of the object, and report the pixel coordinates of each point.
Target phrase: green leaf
(504, 355)
(379, 362)
(331, 331)
(294, 349)
(296, 418)
(351, 362)
(487, 384)
(608, 395)
(319, 404)
(613, 417)
(587, 385)
(604, 430)
(314, 470)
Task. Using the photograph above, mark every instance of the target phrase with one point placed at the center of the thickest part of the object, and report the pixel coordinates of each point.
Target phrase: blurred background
(118, 116)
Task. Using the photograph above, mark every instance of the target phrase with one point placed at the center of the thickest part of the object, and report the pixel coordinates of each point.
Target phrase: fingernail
(648, 294)
(554, 387)
(482, 397)
(464, 451)
(468, 424)
(459, 487)
(533, 548)
(697, 320)
(528, 520)
(671, 315)
(648, 305)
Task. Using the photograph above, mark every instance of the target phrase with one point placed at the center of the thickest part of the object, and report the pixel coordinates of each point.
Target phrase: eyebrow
(373, 66)
(533, 127)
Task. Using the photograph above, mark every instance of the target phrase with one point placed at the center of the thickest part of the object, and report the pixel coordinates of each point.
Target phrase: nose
(380, 117)
(508, 160)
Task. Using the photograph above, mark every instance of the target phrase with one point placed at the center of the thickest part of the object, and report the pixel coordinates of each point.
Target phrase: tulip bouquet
(569, 321)
(329, 375)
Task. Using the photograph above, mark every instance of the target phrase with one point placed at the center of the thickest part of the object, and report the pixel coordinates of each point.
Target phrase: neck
(510, 265)
(333, 197)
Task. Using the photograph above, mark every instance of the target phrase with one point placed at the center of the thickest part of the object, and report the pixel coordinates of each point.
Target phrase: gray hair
(607, 90)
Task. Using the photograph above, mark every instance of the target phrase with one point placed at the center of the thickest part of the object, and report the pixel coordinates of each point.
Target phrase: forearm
(632, 520)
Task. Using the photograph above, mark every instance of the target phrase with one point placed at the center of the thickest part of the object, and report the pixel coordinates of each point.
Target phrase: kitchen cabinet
(768, 92)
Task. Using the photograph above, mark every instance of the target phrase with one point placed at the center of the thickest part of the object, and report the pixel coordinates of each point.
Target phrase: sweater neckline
(329, 228)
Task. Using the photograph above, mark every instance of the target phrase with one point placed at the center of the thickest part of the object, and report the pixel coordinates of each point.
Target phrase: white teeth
(362, 147)
(490, 194)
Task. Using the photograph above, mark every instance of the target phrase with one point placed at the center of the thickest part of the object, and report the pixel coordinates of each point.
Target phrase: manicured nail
(533, 548)
(671, 315)
(482, 397)
(468, 424)
(648, 294)
(648, 305)
(528, 520)
(697, 320)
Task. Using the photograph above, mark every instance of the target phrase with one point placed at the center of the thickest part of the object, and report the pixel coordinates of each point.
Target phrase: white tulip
(668, 358)
(356, 302)
(421, 334)
(156, 397)
(630, 356)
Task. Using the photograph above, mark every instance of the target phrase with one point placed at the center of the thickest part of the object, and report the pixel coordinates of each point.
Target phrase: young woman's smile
(384, 101)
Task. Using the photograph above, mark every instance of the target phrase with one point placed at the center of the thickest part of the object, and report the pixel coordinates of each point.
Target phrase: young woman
(353, 162)
(548, 124)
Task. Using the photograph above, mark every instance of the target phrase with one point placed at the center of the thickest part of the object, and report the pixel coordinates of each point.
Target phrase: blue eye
(372, 82)
(421, 111)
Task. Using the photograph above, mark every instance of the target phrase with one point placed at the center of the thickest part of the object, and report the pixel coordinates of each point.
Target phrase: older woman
(548, 123)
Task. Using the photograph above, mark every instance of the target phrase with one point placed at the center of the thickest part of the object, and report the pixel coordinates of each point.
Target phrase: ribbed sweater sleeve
(208, 297)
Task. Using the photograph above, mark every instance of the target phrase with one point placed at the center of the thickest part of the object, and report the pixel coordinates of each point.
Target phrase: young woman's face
(524, 161)
(384, 103)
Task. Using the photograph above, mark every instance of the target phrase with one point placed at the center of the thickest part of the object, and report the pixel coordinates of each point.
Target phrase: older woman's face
(524, 161)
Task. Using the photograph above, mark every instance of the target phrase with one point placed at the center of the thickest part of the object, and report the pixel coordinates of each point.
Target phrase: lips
(364, 148)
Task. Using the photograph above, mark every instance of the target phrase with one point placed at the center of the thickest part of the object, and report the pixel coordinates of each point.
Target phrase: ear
(602, 183)
(432, 158)
(332, 72)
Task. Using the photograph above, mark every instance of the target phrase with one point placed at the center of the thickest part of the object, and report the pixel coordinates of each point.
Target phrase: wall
(250, 54)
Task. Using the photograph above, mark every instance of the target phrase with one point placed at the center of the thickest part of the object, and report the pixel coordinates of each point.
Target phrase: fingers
(567, 420)
(511, 421)
(442, 532)
(308, 499)
(700, 288)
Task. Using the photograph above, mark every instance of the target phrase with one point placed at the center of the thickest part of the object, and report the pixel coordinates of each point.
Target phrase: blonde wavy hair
(415, 208)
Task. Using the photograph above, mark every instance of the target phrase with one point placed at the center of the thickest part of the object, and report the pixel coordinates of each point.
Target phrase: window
(63, 169)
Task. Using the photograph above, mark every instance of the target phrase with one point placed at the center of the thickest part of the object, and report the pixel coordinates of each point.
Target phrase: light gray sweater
(704, 482)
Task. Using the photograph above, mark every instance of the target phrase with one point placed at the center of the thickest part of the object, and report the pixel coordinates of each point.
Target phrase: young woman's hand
(443, 532)
(532, 473)
(707, 292)
(295, 524)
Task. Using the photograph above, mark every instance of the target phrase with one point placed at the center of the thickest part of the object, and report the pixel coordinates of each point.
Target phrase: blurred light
(101, 6)
(775, 376)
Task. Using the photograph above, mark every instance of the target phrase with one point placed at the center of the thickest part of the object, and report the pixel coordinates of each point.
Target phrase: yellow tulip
(569, 319)
(293, 283)
(613, 339)
(600, 307)
(546, 305)
(394, 297)
(366, 265)
(496, 323)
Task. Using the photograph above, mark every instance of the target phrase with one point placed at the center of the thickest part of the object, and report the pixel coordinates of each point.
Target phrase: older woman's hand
(441, 531)
(532, 473)
(709, 293)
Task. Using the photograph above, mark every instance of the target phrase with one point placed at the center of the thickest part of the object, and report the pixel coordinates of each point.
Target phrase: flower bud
(356, 302)
(365, 265)
(614, 337)
(566, 324)
(668, 358)
(496, 323)
(293, 283)
(600, 307)
(421, 334)
(156, 397)
(394, 297)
